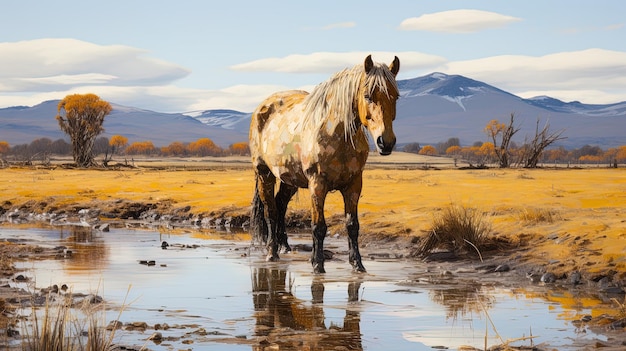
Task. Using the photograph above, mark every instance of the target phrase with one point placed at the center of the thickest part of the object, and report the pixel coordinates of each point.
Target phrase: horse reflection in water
(288, 323)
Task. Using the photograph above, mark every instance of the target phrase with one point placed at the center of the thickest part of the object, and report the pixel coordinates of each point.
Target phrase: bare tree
(412, 148)
(81, 117)
(501, 136)
(532, 150)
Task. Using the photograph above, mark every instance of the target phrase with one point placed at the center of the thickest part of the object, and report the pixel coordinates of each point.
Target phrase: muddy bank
(118, 212)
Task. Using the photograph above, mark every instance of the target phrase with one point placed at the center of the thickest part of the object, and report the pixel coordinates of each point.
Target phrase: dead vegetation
(62, 325)
(538, 215)
(457, 228)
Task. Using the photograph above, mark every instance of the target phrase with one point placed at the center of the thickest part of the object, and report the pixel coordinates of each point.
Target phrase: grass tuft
(621, 308)
(535, 215)
(63, 326)
(457, 228)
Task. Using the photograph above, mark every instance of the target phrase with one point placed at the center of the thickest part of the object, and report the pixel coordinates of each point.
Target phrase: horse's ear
(369, 64)
(395, 66)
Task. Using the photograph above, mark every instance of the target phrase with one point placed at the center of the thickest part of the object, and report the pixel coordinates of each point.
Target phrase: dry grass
(621, 308)
(457, 228)
(64, 327)
(67, 325)
(6, 263)
(48, 333)
(536, 215)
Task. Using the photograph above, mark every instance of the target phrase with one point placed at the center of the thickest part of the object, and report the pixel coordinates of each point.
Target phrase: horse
(318, 140)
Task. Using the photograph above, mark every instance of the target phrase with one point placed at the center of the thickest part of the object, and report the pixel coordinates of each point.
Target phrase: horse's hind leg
(351, 196)
(318, 191)
(284, 195)
(265, 185)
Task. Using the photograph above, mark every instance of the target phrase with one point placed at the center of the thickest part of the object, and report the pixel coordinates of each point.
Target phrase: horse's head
(377, 102)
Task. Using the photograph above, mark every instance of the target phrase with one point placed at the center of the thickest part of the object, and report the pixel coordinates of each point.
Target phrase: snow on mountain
(437, 106)
(228, 119)
(453, 88)
(618, 109)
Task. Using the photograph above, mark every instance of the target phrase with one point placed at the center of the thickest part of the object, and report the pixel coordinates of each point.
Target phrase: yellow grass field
(564, 219)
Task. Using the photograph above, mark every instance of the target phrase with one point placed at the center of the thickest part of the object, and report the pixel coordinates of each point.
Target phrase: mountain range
(431, 109)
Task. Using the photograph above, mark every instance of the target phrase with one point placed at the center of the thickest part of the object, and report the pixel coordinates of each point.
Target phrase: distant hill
(432, 109)
(20, 125)
(436, 107)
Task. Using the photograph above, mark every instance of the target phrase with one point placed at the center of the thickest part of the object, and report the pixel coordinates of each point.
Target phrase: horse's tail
(258, 226)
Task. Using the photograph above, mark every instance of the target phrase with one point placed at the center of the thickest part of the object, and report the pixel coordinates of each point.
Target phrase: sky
(182, 56)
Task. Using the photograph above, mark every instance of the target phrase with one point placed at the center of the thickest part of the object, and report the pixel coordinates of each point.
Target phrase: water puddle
(214, 292)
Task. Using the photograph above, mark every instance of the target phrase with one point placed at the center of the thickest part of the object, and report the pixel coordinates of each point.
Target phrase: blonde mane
(333, 100)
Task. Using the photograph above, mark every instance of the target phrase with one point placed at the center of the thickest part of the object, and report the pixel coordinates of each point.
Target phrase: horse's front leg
(351, 195)
(318, 223)
(265, 185)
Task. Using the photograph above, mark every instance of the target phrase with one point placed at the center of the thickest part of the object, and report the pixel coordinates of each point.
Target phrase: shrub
(457, 228)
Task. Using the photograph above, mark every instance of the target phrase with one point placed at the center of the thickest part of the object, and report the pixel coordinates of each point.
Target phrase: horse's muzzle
(385, 148)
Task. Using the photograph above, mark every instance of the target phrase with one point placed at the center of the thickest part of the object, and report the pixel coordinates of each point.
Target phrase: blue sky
(177, 56)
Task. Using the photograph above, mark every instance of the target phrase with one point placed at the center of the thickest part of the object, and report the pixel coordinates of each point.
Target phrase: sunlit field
(567, 218)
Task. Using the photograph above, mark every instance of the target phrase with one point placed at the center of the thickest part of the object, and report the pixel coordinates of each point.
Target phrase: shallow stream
(216, 293)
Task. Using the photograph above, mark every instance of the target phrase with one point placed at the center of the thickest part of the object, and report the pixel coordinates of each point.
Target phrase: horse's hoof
(272, 258)
(318, 269)
(359, 268)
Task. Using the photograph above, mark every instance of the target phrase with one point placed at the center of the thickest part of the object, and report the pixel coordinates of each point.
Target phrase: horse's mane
(332, 101)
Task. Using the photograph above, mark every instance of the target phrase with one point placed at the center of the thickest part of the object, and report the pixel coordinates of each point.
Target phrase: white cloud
(67, 79)
(171, 98)
(240, 97)
(48, 69)
(590, 76)
(330, 62)
(616, 26)
(57, 64)
(457, 21)
(339, 25)
(166, 98)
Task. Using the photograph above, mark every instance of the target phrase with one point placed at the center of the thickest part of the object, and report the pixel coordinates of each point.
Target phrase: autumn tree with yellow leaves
(204, 147)
(241, 148)
(118, 143)
(141, 148)
(428, 150)
(175, 148)
(4, 147)
(81, 117)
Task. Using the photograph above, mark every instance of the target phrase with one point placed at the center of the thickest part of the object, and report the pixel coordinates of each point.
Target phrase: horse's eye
(368, 98)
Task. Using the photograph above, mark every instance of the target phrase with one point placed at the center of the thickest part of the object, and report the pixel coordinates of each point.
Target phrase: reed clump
(62, 325)
(457, 228)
